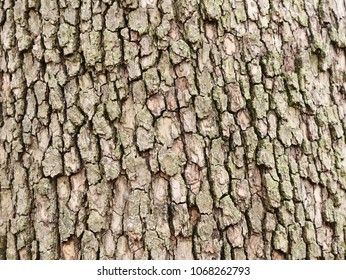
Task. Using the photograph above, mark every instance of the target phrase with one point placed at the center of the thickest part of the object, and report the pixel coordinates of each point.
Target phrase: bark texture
(162, 129)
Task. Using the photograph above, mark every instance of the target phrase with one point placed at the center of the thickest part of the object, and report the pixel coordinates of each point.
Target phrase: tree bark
(162, 129)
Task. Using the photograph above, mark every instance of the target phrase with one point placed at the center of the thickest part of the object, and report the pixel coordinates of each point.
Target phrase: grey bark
(162, 129)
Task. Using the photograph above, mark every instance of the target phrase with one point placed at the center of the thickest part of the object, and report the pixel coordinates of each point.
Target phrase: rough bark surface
(162, 129)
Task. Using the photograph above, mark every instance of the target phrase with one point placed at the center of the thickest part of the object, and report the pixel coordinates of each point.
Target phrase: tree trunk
(172, 129)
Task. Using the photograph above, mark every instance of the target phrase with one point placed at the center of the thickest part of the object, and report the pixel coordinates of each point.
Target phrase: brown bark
(162, 129)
